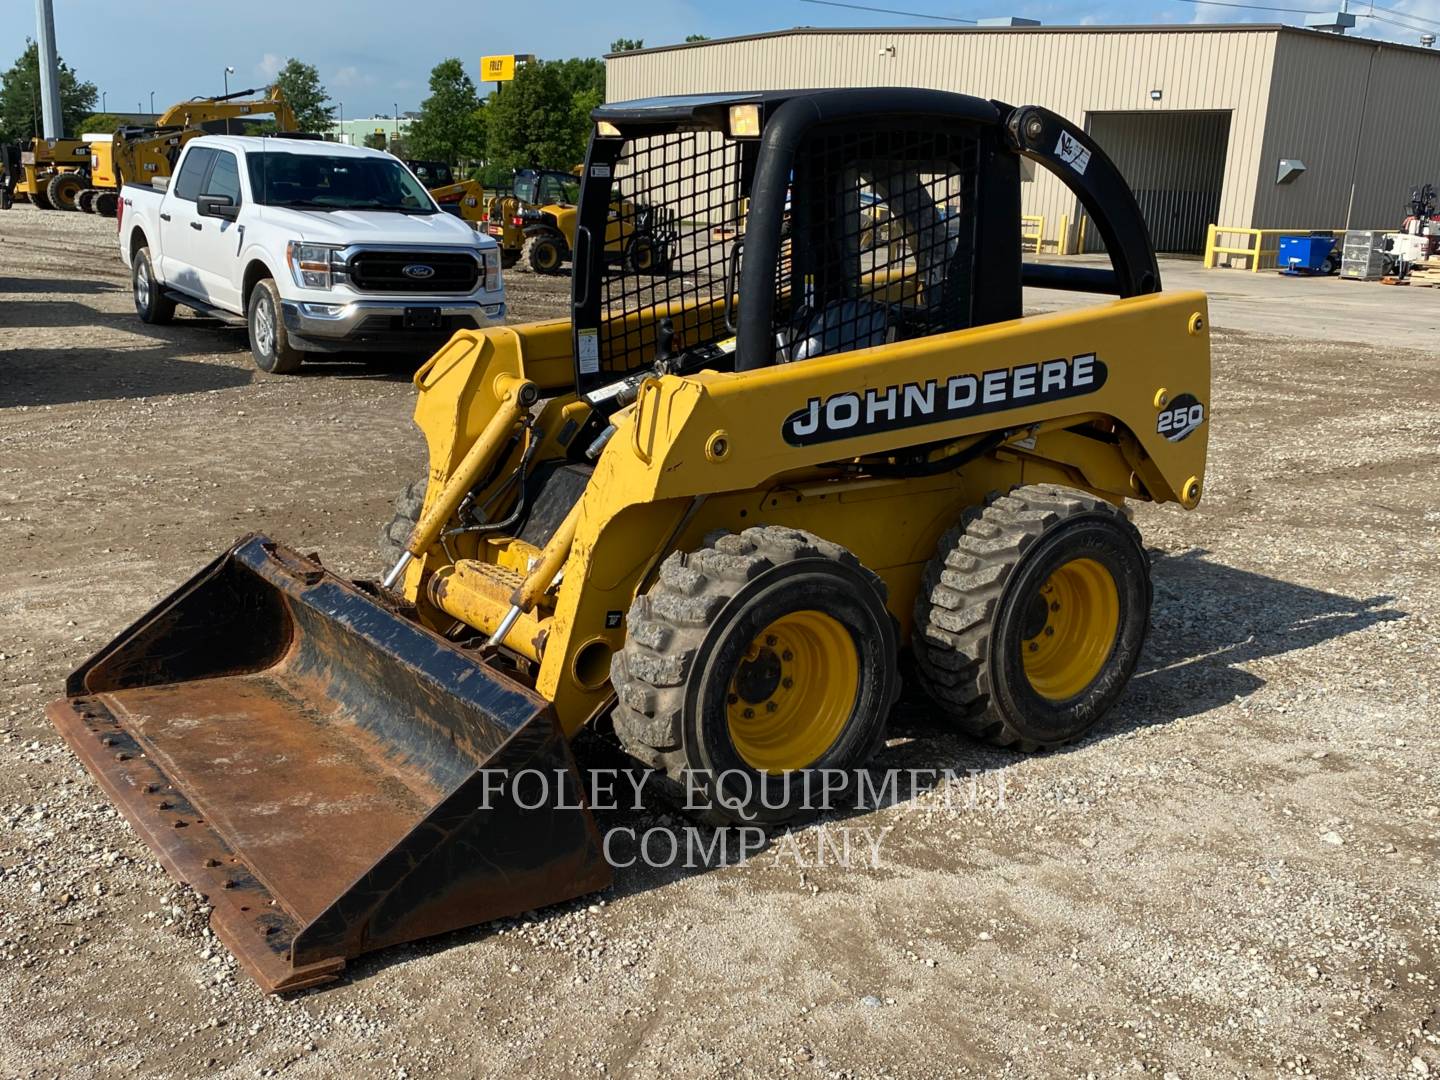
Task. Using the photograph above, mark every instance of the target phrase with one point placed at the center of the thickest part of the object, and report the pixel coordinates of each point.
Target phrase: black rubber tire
(280, 357)
(508, 258)
(85, 201)
(106, 203)
(688, 632)
(542, 253)
(151, 304)
(644, 256)
(397, 530)
(63, 189)
(39, 199)
(974, 600)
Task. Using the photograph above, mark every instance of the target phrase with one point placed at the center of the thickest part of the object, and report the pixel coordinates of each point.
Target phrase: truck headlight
(490, 268)
(314, 266)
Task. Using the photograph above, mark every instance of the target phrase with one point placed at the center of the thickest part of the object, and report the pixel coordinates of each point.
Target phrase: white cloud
(269, 65)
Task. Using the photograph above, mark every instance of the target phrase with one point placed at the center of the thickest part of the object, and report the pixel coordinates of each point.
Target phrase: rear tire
(543, 253)
(407, 512)
(63, 189)
(750, 665)
(39, 199)
(85, 201)
(1031, 616)
(151, 303)
(105, 203)
(269, 341)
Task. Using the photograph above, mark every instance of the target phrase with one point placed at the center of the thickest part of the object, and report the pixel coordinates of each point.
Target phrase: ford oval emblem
(419, 271)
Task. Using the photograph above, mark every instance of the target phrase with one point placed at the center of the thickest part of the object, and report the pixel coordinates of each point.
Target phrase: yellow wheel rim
(1072, 624)
(793, 692)
(549, 257)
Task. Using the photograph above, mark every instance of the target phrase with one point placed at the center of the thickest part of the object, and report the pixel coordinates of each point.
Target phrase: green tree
(97, 123)
(20, 114)
(300, 83)
(543, 117)
(451, 124)
(626, 44)
(690, 38)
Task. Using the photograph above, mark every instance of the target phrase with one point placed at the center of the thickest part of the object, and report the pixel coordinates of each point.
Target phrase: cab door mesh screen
(676, 211)
(881, 241)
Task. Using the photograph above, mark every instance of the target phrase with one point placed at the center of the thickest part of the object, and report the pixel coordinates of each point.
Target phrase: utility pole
(53, 121)
(228, 72)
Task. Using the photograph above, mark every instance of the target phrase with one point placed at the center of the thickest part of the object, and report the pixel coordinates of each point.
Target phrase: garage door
(1175, 164)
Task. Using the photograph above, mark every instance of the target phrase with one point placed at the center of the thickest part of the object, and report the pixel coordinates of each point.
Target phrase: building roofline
(1147, 28)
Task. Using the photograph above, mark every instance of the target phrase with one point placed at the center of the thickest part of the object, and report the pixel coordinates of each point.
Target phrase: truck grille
(384, 271)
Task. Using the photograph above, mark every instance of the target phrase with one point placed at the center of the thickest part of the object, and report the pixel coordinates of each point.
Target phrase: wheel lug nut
(787, 682)
(770, 640)
(787, 655)
(1049, 631)
(771, 706)
(1034, 646)
(1055, 606)
(731, 699)
(749, 714)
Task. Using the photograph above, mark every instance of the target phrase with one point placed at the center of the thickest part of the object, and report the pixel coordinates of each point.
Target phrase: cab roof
(279, 145)
(711, 111)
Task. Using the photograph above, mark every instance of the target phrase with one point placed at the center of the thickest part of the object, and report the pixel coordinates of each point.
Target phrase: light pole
(103, 95)
(152, 101)
(397, 124)
(228, 72)
(341, 104)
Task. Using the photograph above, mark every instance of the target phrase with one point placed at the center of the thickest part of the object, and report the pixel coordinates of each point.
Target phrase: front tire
(85, 201)
(63, 190)
(752, 664)
(1031, 616)
(397, 530)
(543, 253)
(151, 304)
(269, 342)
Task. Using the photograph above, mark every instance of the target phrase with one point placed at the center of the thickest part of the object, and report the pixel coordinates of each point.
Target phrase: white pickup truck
(319, 247)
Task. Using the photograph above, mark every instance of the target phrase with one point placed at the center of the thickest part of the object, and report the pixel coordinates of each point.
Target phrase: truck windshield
(319, 182)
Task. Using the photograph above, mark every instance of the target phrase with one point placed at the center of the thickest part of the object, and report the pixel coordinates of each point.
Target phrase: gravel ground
(1234, 875)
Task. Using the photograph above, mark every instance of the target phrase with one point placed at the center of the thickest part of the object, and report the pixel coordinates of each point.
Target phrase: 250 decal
(1180, 418)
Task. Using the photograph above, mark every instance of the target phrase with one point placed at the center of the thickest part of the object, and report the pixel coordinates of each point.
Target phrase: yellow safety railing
(1261, 245)
(1063, 243)
(1032, 230)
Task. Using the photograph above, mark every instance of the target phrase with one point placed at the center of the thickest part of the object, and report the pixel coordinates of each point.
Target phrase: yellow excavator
(706, 514)
(140, 153)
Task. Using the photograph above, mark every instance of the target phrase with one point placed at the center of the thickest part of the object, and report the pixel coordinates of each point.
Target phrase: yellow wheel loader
(140, 153)
(535, 226)
(706, 513)
(50, 173)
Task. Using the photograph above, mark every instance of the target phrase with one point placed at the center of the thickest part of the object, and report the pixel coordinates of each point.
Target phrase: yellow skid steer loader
(707, 512)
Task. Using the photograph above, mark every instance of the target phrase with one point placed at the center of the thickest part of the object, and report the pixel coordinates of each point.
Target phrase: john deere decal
(854, 413)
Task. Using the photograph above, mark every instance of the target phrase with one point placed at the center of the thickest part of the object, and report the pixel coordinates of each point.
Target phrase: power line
(1254, 7)
(889, 11)
(1370, 14)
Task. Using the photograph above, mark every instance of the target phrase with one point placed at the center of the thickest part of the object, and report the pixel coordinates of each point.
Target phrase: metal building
(1202, 120)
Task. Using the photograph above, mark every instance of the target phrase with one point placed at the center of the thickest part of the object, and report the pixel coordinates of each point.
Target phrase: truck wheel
(63, 189)
(508, 258)
(407, 512)
(151, 304)
(1031, 616)
(269, 341)
(85, 201)
(644, 256)
(752, 664)
(543, 253)
(106, 203)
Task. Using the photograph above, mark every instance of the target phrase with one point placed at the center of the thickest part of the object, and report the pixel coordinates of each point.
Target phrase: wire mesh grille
(881, 244)
(675, 213)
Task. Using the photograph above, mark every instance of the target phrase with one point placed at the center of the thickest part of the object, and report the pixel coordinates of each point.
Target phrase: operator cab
(802, 224)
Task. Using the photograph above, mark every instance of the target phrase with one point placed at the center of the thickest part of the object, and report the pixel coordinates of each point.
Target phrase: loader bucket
(332, 776)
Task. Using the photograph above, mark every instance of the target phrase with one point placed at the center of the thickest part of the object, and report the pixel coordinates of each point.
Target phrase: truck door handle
(164, 217)
(196, 226)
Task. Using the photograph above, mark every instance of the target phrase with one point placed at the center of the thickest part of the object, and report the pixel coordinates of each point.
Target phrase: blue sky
(372, 60)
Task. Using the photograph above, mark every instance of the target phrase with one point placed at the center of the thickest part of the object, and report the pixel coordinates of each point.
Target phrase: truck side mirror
(217, 206)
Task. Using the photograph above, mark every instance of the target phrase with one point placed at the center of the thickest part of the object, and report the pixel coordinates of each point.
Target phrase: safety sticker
(1072, 153)
(600, 171)
(588, 348)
